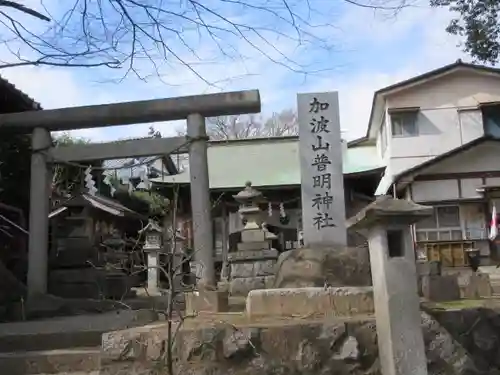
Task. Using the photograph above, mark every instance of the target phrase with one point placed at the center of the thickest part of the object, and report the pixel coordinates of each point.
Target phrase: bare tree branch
(24, 9)
(145, 38)
(280, 124)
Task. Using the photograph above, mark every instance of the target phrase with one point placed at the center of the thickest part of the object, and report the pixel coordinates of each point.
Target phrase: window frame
(404, 115)
(441, 233)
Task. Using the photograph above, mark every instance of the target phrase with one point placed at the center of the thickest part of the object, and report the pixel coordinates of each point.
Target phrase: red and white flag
(493, 224)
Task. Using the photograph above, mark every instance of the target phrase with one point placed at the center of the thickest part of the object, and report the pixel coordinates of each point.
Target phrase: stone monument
(252, 265)
(325, 258)
(386, 223)
(322, 179)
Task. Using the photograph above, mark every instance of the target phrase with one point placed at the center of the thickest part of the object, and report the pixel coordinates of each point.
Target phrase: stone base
(206, 301)
(337, 266)
(478, 286)
(440, 288)
(242, 285)
(251, 270)
(304, 302)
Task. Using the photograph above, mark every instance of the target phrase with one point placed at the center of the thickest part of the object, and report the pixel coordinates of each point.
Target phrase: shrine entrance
(192, 108)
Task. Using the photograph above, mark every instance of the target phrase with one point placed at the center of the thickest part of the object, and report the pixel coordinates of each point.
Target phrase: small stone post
(152, 247)
(386, 223)
(252, 266)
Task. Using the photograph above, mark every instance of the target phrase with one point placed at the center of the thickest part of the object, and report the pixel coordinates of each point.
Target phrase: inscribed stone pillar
(322, 181)
(252, 266)
(386, 223)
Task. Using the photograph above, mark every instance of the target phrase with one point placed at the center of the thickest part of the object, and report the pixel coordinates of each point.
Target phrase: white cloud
(63, 87)
(436, 48)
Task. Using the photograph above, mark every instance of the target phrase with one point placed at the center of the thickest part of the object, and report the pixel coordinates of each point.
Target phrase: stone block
(253, 235)
(312, 301)
(256, 268)
(425, 268)
(257, 255)
(440, 288)
(264, 268)
(206, 301)
(242, 270)
(478, 286)
(241, 286)
(251, 246)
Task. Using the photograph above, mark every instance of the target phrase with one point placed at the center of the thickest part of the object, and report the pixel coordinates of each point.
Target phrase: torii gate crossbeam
(192, 108)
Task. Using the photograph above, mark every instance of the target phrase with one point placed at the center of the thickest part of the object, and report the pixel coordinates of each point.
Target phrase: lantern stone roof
(248, 193)
(385, 209)
(152, 226)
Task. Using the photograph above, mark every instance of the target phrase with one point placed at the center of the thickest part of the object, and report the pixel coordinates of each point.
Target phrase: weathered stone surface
(252, 270)
(265, 268)
(262, 268)
(477, 286)
(304, 348)
(440, 288)
(246, 256)
(310, 301)
(241, 286)
(476, 331)
(242, 269)
(342, 266)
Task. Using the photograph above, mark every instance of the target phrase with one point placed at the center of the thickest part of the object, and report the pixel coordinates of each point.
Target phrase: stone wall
(332, 347)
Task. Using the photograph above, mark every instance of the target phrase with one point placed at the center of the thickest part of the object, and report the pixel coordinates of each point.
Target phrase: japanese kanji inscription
(323, 204)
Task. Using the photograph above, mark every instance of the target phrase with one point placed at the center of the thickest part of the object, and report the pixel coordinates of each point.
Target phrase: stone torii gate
(192, 108)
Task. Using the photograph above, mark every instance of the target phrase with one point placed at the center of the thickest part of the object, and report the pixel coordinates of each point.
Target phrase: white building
(438, 137)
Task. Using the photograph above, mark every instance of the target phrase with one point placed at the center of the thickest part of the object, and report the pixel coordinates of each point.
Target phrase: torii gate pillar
(193, 108)
(40, 182)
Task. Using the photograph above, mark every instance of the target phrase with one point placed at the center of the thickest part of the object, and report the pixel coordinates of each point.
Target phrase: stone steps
(64, 345)
(68, 332)
(50, 361)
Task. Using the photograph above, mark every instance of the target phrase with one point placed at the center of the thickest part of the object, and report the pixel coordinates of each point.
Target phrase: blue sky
(362, 51)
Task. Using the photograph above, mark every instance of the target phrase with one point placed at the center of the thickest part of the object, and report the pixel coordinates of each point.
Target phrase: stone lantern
(249, 200)
(386, 223)
(252, 265)
(251, 214)
(153, 244)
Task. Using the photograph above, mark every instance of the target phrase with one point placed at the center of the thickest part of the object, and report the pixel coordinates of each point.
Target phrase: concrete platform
(50, 362)
(310, 301)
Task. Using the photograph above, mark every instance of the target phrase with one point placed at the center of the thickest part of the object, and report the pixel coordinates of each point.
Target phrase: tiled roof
(267, 162)
(100, 202)
(28, 101)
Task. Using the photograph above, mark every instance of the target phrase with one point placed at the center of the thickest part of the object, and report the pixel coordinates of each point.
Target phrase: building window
(443, 225)
(491, 119)
(404, 124)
